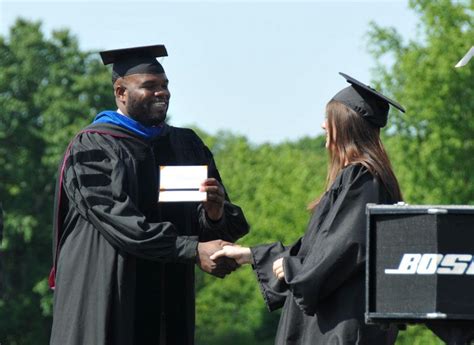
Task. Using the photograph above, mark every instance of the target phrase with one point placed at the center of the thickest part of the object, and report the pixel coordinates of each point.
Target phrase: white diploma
(466, 58)
(181, 183)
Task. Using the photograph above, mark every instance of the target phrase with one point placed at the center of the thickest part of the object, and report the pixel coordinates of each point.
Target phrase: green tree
(48, 89)
(436, 135)
(432, 145)
(273, 184)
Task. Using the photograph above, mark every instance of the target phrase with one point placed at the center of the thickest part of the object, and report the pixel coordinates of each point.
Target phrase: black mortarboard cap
(135, 60)
(366, 101)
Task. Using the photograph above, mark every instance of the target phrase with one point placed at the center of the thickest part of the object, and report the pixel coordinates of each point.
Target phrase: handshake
(220, 258)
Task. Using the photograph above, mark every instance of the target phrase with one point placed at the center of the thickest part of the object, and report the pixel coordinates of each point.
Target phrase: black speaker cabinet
(419, 263)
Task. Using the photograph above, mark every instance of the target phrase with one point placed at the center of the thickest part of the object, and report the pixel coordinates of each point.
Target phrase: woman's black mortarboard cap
(365, 101)
(135, 60)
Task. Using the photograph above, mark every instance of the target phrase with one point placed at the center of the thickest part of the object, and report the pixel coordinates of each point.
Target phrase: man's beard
(148, 113)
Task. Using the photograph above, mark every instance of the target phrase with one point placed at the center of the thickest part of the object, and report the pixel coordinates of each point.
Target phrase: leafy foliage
(273, 184)
(436, 135)
(48, 89)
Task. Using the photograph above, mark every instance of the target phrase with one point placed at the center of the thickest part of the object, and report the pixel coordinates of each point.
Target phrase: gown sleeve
(338, 251)
(274, 291)
(232, 225)
(97, 182)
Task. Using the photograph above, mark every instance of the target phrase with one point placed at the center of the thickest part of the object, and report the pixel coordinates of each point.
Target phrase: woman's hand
(278, 270)
(241, 255)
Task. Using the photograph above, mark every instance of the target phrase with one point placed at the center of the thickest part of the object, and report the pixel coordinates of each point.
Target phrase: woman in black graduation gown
(320, 279)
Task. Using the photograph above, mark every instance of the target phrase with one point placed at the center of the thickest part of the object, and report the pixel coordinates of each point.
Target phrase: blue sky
(263, 69)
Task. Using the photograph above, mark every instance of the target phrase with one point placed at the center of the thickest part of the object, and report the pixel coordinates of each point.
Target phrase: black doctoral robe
(124, 264)
(323, 295)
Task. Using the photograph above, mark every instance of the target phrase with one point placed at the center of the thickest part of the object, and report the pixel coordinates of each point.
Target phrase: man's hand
(214, 205)
(220, 267)
(278, 270)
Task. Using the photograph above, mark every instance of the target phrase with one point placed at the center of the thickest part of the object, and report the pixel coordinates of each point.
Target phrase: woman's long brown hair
(353, 140)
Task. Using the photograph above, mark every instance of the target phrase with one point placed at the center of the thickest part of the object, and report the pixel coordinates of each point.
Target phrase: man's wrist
(187, 247)
(215, 218)
(214, 221)
(197, 254)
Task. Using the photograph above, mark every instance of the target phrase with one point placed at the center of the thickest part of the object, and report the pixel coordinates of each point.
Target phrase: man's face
(146, 97)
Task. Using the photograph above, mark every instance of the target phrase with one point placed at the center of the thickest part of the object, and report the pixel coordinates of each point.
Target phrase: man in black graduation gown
(123, 263)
